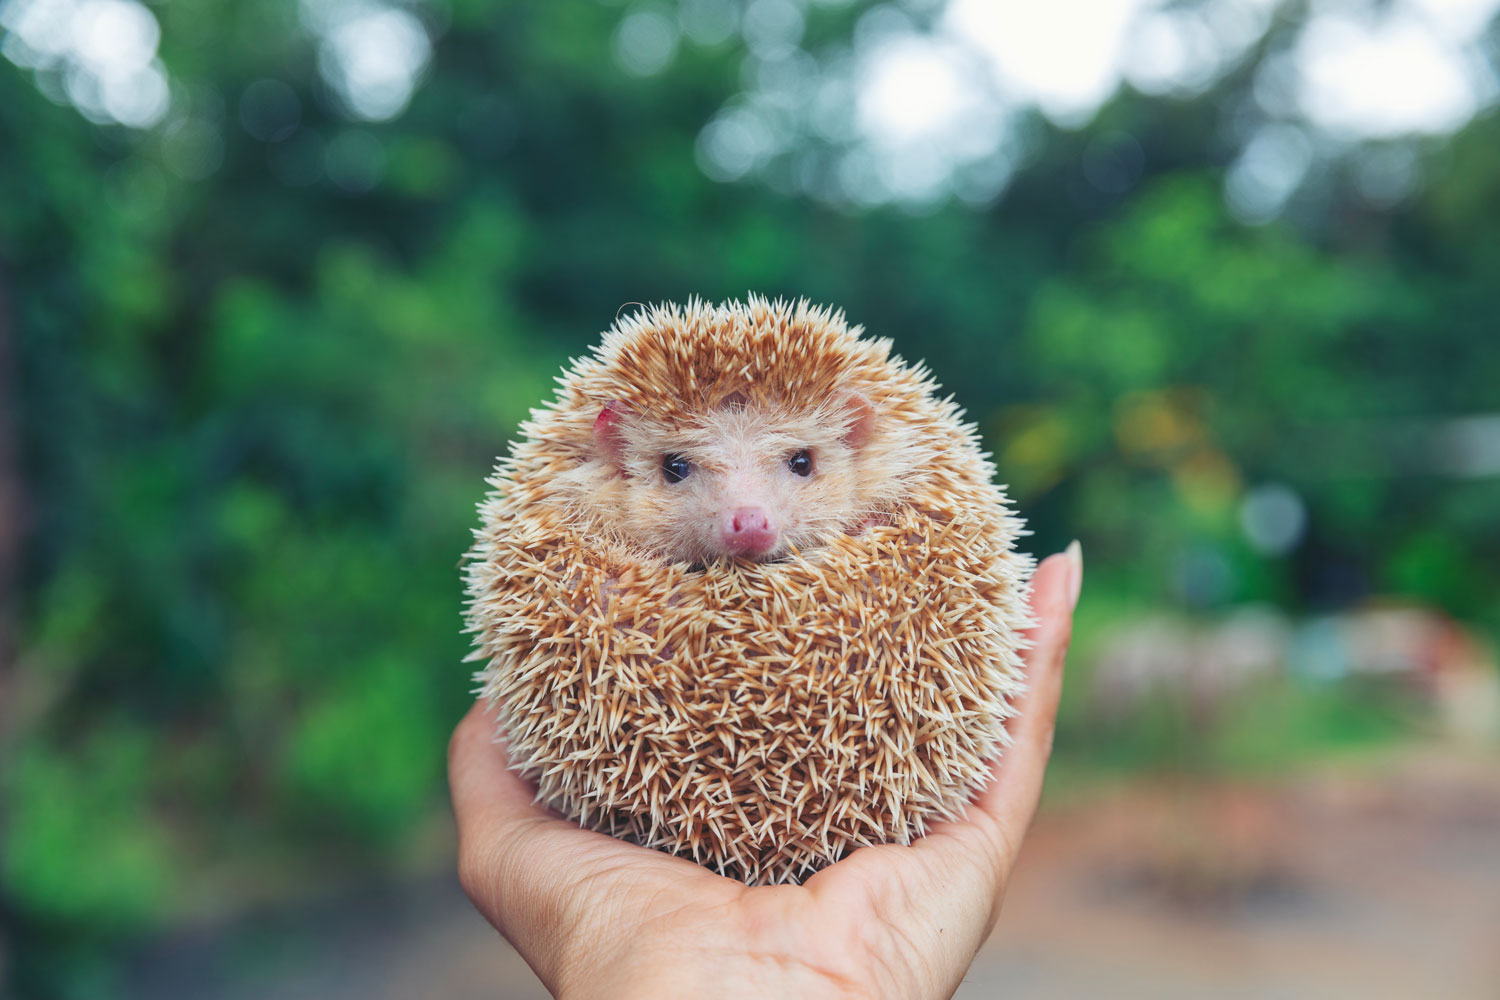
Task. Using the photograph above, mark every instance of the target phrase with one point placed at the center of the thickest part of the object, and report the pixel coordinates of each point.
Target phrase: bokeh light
(645, 42)
(371, 54)
(103, 51)
(940, 89)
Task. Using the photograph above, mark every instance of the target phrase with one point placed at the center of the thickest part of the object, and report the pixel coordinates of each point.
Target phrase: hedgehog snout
(747, 531)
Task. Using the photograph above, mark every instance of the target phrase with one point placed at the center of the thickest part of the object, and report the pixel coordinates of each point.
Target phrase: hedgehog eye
(801, 463)
(675, 468)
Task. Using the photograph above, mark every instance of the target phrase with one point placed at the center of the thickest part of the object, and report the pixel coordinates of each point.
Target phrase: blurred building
(1420, 650)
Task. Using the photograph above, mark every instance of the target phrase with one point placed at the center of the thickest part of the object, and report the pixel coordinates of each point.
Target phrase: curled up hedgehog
(745, 592)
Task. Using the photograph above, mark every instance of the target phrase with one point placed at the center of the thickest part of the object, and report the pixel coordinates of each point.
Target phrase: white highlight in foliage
(733, 144)
(1387, 75)
(139, 100)
(103, 52)
(709, 22)
(1064, 56)
(114, 37)
(1173, 52)
(1469, 446)
(645, 43)
(371, 54)
(923, 111)
(773, 28)
(927, 96)
(912, 91)
(1274, 519)
(1268, 172)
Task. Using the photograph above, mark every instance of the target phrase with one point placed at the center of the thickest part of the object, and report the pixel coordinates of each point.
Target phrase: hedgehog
(744, 591)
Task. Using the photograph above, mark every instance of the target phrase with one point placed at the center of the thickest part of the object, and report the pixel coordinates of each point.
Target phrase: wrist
(684, 963)
(739, 979)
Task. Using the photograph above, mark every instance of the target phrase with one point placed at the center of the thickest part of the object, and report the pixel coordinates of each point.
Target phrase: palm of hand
(595, 916)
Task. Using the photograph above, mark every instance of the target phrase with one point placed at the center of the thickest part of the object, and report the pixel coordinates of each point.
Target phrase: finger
(484, 788)
(1012, 796)
(504, 842)
(988, 840)
(955, 877)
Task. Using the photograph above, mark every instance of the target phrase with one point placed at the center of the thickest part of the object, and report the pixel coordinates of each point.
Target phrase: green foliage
(82, 845)
(1280, 723)
(365, 756)
(1266, 727)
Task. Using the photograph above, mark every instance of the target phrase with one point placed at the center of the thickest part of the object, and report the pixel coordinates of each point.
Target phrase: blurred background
(1219, 281)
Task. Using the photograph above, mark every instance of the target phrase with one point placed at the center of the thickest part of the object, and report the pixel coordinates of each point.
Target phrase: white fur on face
(739, 457)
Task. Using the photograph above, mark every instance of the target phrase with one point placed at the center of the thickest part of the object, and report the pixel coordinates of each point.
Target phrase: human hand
(598, 917)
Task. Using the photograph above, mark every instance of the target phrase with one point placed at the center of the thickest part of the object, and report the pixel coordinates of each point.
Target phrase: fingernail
(1074, 552)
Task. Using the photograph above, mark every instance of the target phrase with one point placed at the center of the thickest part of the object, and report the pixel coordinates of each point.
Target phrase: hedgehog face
(739, 481)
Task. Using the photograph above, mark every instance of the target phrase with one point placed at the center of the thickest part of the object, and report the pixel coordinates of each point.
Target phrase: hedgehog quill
(744, 591)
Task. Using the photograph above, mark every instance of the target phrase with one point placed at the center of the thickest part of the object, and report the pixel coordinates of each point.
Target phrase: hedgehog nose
(747, 531)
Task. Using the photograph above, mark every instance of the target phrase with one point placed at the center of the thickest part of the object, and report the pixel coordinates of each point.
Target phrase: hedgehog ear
(859, 416)
(609, 431)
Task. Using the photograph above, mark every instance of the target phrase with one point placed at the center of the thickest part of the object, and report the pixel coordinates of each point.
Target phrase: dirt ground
(1376, 879)
(1383, 882)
